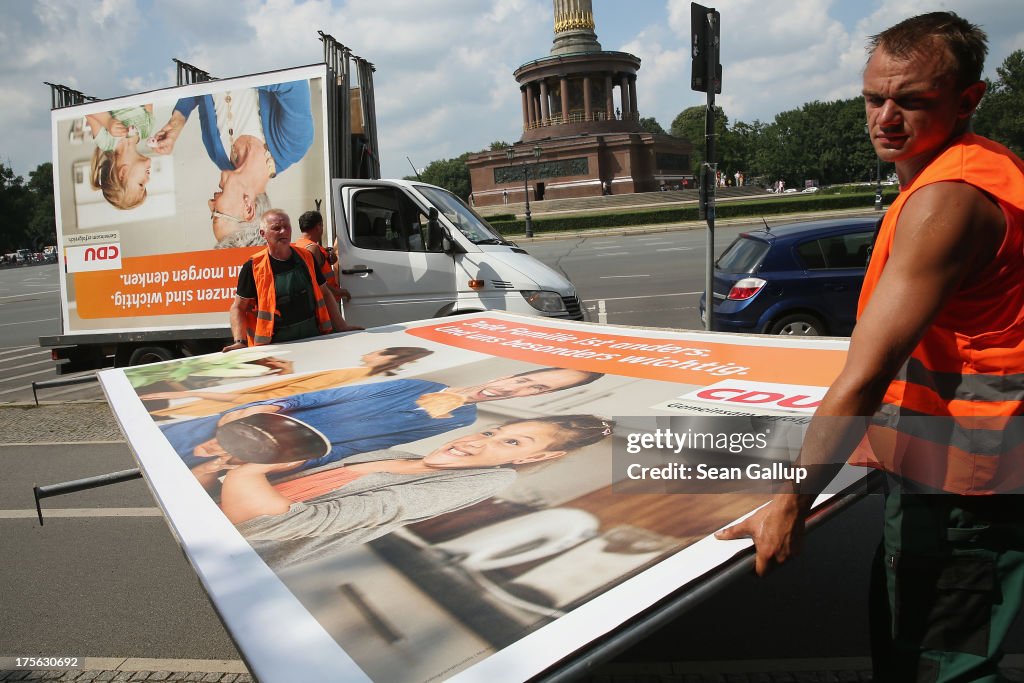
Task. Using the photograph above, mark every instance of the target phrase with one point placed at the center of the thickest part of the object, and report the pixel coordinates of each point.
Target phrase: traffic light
(705, 39)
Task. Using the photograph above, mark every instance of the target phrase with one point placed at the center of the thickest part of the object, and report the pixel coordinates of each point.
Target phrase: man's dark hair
(967, 43)
(310, 220)
(588, 376)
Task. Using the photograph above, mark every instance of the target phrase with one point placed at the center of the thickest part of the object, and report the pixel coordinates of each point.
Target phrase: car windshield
(468, 222)
(743, 256)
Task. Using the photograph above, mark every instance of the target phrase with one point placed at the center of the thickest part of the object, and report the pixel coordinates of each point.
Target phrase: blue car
(797, 279)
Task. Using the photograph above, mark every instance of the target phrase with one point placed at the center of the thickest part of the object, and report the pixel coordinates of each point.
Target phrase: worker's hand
(234, 346)
(350, 328)
(345, 295)
(777, 530)
(243, 412)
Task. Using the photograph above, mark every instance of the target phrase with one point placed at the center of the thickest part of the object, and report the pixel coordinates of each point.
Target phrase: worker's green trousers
(947, 585)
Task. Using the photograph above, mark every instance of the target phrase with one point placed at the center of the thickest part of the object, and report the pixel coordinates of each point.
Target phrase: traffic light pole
(710, 179)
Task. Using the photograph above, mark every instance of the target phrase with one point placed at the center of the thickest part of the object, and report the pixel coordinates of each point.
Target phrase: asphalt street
(29, 309)
(103, 577)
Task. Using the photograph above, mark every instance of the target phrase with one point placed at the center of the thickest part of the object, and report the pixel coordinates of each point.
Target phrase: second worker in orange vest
(281, 295)
(311, 224)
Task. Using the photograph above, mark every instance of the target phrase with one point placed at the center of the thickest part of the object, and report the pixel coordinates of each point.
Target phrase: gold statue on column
(574, 27)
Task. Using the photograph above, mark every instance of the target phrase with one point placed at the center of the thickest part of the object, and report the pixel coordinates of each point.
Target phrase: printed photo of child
(118, 169)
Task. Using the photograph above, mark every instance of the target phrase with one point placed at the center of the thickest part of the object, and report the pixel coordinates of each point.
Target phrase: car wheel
(798, 325)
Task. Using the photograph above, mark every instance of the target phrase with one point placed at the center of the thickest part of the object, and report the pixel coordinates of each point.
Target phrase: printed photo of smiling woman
(373, 494)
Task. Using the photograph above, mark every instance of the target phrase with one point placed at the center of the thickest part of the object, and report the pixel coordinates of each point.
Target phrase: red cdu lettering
(757, 397)
(794, 402)
(718, 394)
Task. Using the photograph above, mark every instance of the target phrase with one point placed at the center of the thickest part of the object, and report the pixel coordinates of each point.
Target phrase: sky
(443, 77)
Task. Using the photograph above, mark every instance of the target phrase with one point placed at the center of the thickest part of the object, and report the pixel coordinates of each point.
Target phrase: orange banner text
(168, 284)
(669, 360)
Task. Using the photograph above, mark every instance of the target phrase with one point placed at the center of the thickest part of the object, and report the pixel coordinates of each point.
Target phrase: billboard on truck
(475, 498)
(159, 194)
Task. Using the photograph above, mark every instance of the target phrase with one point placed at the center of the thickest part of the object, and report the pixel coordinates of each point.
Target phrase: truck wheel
(150, 354)
(798, 324)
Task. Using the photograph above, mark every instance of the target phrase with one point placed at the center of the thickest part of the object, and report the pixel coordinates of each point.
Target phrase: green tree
(451, 174)
(690, 125)
(742, 141)
(42, 226)
(15, 210)
(651, 125)
(823, 141)
(498, 144)
(1001, 114)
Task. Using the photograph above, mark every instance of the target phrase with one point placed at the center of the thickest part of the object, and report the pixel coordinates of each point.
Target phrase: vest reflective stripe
(326, 269)
(950, 418)
(942, 466)
(915, 400)
(259, 322)
(961, 386)
(989, 436)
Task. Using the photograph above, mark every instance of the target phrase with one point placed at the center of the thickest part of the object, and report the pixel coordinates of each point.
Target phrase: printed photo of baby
(119, 170)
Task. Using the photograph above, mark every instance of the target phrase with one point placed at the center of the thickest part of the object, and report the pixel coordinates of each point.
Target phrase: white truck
(410, 251)
(158, 197)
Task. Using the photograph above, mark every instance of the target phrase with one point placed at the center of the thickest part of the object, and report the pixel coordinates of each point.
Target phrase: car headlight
(545, 302)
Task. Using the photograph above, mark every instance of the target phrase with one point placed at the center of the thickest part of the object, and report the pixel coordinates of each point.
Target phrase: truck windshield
(462, 217)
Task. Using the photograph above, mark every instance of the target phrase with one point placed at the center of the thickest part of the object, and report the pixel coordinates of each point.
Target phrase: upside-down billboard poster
(474, 498)
(159, 194)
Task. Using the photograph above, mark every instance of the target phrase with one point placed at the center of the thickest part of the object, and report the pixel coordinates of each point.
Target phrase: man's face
(913, 107)
(523, 385)
(277, 229)
(227, 206)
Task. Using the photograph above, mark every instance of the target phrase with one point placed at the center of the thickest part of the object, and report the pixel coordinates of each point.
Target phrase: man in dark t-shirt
(292, 310)
(293, 285)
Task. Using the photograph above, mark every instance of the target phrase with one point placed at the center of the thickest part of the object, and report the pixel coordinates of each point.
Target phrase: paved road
(104, 577)
(650, 280)
(30, 308)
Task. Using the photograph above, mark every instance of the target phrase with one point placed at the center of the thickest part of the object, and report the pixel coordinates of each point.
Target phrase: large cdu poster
(159, 194)
(475, 498)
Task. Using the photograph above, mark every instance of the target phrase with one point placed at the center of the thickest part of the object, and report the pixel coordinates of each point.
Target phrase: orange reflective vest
(952, 417)
(325, 268)
(259, 321)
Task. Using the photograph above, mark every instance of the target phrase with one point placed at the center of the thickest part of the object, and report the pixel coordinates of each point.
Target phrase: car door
(394, 271)
(835, 272)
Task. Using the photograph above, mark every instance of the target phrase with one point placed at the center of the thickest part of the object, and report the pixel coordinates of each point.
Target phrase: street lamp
(510, 153)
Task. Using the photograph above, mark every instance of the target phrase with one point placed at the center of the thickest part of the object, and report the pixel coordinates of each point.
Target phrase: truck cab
(410, 251)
